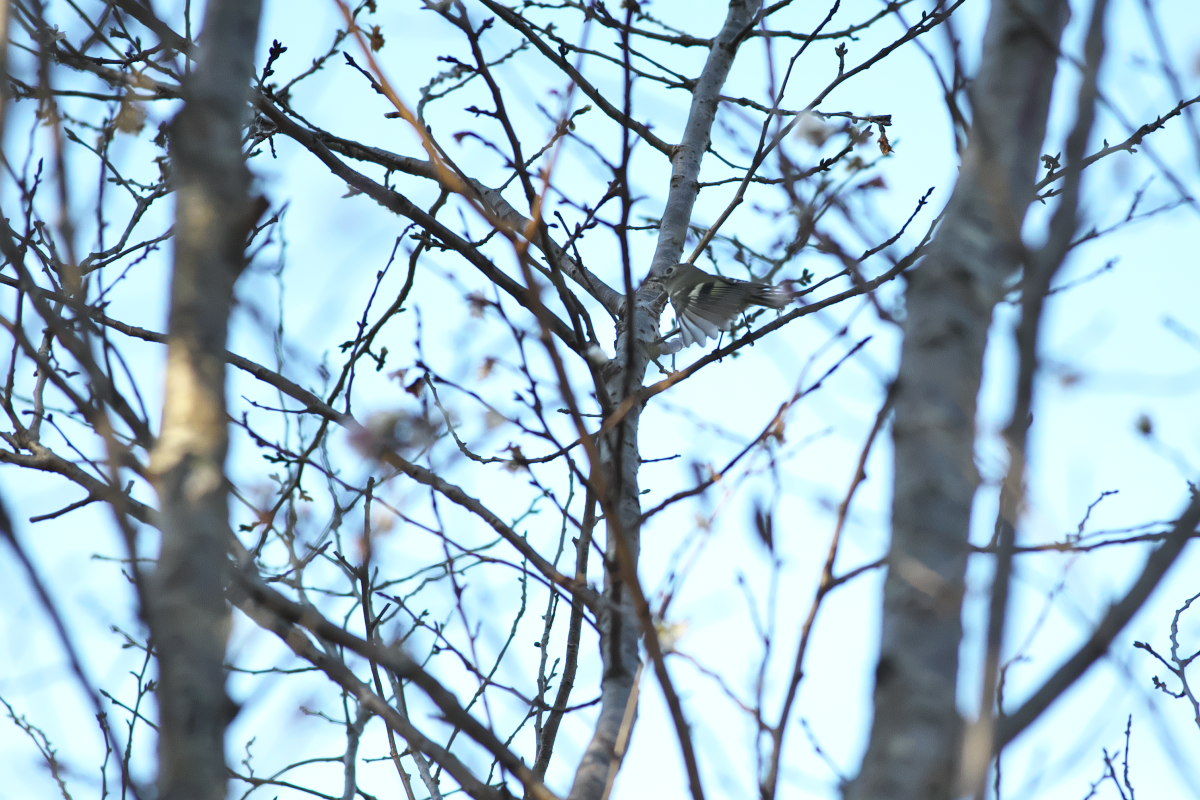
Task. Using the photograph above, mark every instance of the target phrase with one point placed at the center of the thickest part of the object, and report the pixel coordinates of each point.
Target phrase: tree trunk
(916, 737)
(187, 612)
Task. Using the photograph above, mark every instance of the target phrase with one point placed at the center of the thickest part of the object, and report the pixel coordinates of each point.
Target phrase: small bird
(707, 304)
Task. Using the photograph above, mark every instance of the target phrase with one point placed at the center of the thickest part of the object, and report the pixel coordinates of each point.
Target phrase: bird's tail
(775, 296)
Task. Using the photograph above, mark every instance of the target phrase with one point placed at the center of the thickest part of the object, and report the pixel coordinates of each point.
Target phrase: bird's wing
(719, 304)
(710, 308)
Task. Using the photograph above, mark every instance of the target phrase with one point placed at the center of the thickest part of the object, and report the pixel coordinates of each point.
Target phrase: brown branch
(279, 614)
(399, 204)
(829, 582)
(1009, 726)
(521, 26)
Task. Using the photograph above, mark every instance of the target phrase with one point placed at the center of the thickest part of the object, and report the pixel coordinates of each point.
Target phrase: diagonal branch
(1009, 726)
(256, 599)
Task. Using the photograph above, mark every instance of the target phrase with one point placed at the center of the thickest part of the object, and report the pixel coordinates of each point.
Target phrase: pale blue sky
(1109, 331)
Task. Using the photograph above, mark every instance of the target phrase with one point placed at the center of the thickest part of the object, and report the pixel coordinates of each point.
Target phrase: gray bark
(916, 737)
(187, 612)
(621, 620)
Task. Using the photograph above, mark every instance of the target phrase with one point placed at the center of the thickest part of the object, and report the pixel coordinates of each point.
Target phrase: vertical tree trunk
(188, 616)
(620, 453)
(916, 738)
